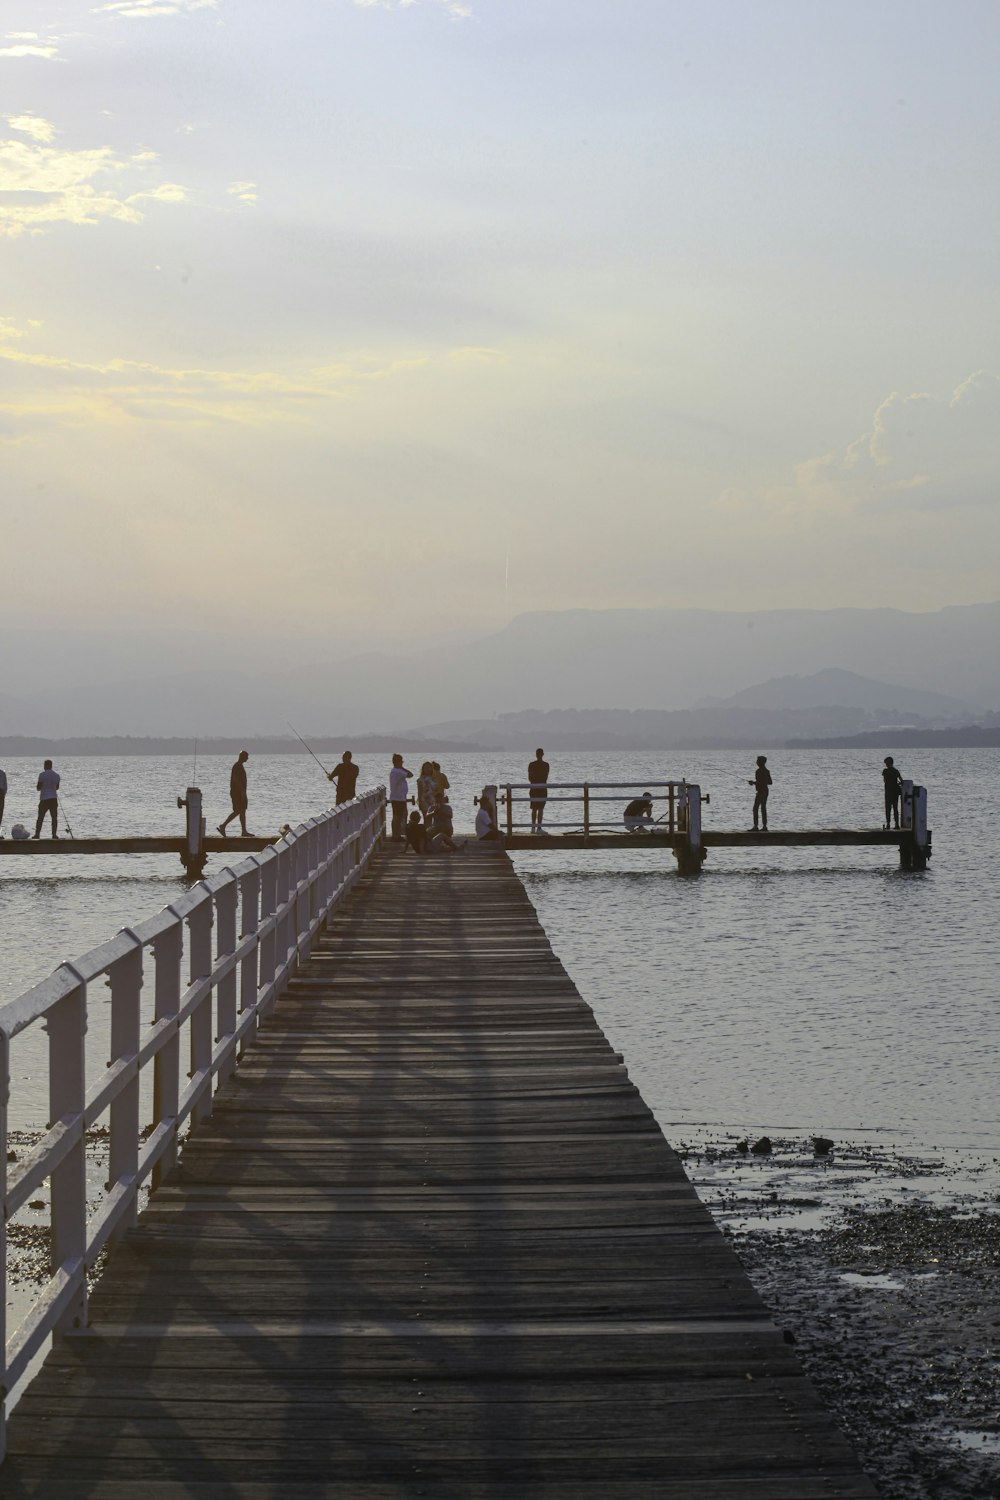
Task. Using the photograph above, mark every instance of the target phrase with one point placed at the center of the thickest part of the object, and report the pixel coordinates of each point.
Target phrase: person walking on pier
(48, 788)
(238, 794)
(3, 795)
(398, 794)
(893, 787)
(346, 776)
(762, 782)
(538, 775)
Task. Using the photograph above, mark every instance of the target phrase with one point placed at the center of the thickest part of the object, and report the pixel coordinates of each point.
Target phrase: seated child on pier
(416, 838)
(639, 813)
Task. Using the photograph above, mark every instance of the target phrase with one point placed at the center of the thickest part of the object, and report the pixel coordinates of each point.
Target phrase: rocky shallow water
(883, 1270)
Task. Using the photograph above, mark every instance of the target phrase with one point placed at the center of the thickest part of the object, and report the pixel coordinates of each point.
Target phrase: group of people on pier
(430, 827)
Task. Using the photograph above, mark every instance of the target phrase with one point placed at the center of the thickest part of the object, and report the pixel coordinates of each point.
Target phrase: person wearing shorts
(538, 775)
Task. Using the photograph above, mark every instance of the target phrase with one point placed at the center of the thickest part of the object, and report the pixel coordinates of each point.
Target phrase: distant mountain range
(577, 660)
(830, 702)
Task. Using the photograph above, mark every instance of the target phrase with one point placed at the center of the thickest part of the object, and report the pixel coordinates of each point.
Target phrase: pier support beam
(689, 851)
(915, 840)
(193, 855)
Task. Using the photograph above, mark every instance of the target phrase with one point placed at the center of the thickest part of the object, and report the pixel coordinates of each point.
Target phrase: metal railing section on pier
(670, 803)
(265, 913)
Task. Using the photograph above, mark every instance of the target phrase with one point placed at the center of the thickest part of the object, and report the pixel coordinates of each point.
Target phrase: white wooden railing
(266, 913)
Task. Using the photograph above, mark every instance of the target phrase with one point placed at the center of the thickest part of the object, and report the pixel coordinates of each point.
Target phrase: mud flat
(884, 1268)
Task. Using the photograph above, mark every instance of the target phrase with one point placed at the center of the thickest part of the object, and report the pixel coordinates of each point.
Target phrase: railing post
(200, 967)
(268, 906)
(66, 1024)
(586, 809)
(225, 944)
(510, 813)
(671, 808)
(249, 922)
(168, 950)
(125, 983)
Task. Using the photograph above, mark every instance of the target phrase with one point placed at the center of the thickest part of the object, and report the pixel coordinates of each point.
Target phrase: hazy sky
(312, 314)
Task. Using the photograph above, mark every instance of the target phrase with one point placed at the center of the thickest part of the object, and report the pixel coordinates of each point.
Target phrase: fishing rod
(62, 809)
(311, 751)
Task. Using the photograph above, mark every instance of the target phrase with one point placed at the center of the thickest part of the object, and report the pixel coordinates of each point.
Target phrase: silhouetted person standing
(538, 775)
(238, 794)
(398, 793)
(3, 794)
(762, 781)
(346, 777)
(48, 789)
(893, 788)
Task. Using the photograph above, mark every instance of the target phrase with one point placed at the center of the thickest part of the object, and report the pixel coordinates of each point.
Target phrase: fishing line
(311, 752)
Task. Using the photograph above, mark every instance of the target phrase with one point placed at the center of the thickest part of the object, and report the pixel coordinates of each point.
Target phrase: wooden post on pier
(915, 842)
(193, 855)
(690, 852)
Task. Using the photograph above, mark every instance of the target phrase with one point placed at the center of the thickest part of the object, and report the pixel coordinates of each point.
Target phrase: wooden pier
(429, 1242)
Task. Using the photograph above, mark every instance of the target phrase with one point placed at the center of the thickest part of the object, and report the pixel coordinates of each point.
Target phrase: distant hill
(833, 686)
(830, 702)
(659, 659)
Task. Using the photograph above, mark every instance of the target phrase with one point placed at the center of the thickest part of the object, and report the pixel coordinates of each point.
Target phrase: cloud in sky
(246, 192)
(43, 185)
(921, 453)
(460, 10)
(54, 389)
(33, 126)
(28, 49)
(144, 10)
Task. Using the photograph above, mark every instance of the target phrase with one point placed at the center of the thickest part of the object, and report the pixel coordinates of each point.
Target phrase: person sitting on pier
(238, 794)
(416, 836)
(442, 827)
(486, 827)
(48, 803)
(893, 787)
(346, 776)
(538, 775)
(639, 814)
(762, 782)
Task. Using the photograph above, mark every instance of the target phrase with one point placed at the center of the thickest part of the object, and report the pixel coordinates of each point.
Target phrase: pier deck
(714, 838)
(430, 1243)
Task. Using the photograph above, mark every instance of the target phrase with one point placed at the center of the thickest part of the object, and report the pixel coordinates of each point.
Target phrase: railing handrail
(266, 912)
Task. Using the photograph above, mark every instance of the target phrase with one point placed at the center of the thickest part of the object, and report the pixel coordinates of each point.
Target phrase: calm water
(795, 990)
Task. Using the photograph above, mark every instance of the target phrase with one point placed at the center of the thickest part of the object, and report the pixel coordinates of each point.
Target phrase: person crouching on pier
(48, 801)
(238, 794)
(893, 788)
(639, 814)
(762, 782)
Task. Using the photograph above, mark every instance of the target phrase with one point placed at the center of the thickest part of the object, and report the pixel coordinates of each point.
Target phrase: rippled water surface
(804, 990)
